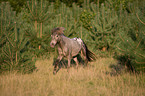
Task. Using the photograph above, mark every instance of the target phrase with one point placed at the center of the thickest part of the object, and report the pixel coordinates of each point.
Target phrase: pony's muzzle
(52, 45)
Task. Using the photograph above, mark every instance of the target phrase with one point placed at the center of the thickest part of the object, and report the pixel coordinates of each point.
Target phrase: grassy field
(103, 78)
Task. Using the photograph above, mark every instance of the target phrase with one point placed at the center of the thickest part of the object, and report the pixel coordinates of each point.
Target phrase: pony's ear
(58, 30)
(62, 28)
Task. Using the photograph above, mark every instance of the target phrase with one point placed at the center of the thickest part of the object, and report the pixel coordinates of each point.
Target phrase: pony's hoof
(54, 72)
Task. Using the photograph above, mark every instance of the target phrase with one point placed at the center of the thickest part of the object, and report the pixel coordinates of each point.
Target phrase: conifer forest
(110, 28)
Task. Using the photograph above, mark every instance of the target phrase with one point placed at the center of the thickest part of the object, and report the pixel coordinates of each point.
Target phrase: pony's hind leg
(84, 55)
(76, 60)
(68, 66)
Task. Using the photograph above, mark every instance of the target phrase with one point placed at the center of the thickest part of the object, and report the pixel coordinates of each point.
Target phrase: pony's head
(56, 35)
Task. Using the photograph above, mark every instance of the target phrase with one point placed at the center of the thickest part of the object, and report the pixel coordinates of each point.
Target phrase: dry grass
(95, 81)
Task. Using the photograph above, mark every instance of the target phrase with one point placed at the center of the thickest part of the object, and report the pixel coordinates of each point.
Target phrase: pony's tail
(90, 55)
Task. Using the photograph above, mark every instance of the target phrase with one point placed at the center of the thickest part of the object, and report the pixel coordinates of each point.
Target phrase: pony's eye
(56, 35)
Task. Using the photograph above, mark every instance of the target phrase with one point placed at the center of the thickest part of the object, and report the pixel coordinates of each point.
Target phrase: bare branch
(139, 19)
(120, 49)
(138, 43)
(139, 62)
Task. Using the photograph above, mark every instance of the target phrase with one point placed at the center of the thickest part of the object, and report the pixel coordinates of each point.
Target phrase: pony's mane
(58, 30)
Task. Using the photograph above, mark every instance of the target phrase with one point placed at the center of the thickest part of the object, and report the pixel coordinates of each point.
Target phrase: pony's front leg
(59, 58)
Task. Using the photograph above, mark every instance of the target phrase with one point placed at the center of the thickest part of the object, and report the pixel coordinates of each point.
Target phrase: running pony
(69, 48)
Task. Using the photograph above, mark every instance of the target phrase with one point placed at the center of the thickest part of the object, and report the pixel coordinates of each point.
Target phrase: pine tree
(132, 38)
(7, 24)
(66, 17)
(14, 55)
(103, 27)
(36, 15)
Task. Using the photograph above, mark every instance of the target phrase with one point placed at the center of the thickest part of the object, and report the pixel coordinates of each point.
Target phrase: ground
(104, 77)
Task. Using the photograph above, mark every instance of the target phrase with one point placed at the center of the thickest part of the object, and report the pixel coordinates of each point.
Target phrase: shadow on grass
(116, 69)
(64, 63)
(123, 66)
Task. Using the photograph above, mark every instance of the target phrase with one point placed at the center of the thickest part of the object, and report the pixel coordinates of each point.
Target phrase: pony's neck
(62, 41)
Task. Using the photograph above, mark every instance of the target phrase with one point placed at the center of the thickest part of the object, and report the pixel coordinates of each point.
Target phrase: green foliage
(120, 3)
(15, 55)
(13, 50)
(86, 18)
(35, 17)
(16, 4)
(7, 22)
(104, 27)
(64, 17)
(132, 37)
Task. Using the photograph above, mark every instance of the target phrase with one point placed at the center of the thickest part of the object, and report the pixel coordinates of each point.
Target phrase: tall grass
(103, 78)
